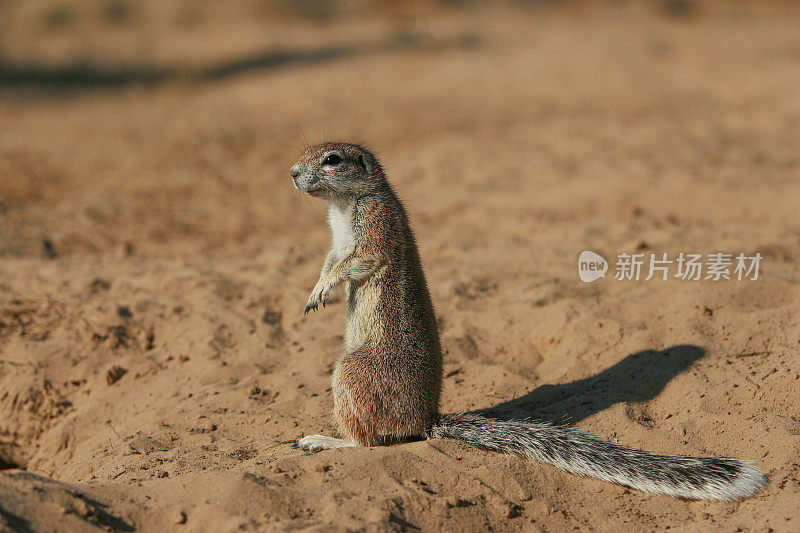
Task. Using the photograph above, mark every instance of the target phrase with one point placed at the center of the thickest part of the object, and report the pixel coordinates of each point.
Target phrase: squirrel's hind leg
(315, 443)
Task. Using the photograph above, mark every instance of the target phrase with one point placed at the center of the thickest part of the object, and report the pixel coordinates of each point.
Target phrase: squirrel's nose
(294, 171)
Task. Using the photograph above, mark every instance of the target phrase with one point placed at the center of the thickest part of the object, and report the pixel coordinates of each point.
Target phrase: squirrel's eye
(331, 159)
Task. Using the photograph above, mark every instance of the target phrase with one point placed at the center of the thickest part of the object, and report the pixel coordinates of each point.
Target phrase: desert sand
(155, 363)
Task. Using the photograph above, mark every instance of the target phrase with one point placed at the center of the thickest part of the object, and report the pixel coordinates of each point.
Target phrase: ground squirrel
(386, 384)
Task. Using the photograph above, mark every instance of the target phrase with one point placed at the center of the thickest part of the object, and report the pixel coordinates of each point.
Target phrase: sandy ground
(155, 364)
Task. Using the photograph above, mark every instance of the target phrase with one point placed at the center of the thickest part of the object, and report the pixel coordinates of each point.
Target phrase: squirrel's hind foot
(316, 443)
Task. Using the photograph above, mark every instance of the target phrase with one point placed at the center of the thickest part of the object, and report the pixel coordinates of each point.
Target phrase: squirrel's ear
(362, 162)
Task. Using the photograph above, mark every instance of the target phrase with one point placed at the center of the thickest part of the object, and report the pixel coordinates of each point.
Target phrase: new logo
(591, 266)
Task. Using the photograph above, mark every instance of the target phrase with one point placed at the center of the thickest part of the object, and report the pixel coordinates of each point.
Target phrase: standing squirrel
(387, 383)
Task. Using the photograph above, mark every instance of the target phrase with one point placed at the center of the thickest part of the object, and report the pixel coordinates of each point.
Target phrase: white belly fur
(341, 222)
(358, 328)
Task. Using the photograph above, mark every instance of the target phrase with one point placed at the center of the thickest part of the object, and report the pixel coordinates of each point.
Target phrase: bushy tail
(698, 478)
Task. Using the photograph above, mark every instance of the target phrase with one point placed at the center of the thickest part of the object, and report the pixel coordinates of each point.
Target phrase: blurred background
(168, 123)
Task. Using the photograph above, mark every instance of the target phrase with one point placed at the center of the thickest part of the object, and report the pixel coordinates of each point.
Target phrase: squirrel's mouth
(309, 188)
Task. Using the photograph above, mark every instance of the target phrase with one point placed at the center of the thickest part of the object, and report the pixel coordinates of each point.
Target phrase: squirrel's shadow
(638, 377)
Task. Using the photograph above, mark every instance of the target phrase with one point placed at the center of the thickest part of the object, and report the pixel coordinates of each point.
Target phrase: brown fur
(387, 383)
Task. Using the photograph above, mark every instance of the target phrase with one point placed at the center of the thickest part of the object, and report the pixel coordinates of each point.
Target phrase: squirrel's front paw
(318, 296)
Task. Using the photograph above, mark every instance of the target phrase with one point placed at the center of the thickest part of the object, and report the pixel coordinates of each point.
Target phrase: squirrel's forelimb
(354, 267)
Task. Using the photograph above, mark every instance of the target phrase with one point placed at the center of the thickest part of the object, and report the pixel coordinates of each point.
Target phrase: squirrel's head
(337, 171)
